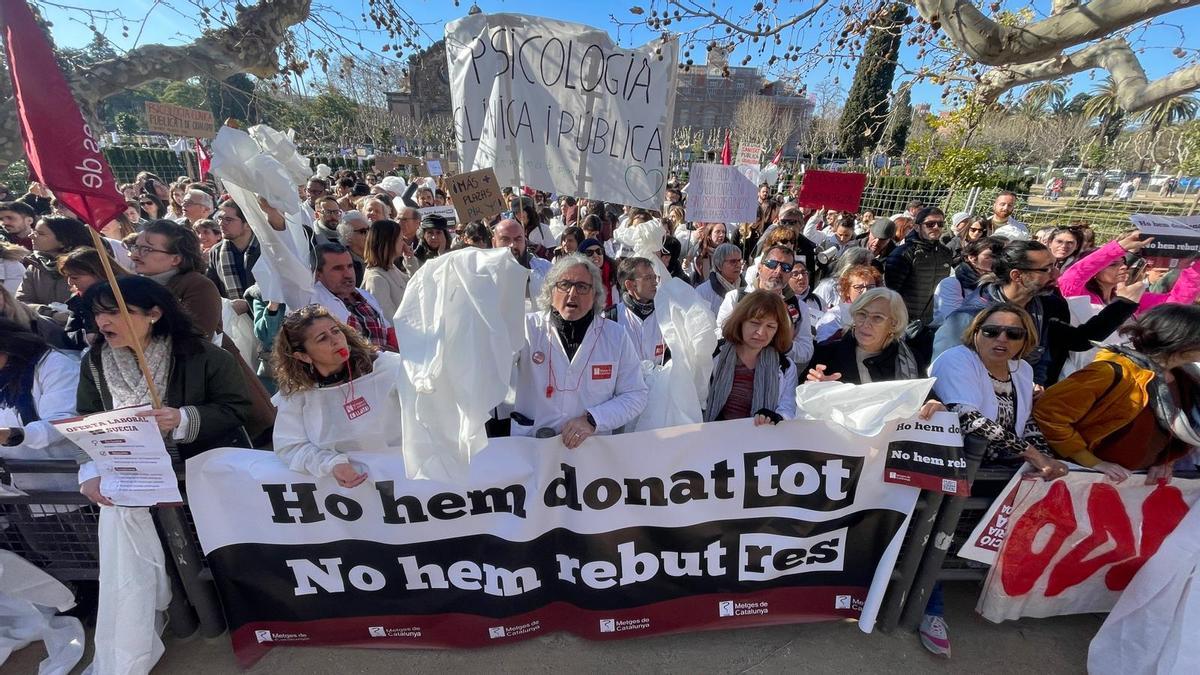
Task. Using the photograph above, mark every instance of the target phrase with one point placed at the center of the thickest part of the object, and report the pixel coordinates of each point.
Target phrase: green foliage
(186, 94)
(865, 111)
(128, 123)
(899, 122)
(126, 162)
(962, 167)
(1190, 150)
(232, 98)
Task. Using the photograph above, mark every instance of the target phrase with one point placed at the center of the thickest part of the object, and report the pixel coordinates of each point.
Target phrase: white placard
(128, 449)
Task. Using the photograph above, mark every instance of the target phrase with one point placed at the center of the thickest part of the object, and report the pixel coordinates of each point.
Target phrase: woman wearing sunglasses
(593, 250)
(988, 383)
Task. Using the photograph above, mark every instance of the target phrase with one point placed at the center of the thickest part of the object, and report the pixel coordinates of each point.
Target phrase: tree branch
(1134, 91)
(697, 11)
(993, 44)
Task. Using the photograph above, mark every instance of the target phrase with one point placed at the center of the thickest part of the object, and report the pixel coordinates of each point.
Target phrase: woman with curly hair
(337, 395)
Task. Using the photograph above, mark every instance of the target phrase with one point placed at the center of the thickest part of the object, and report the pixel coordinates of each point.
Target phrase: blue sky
(171, 26)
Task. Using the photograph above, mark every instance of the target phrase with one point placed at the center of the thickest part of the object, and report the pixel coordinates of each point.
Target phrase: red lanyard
(550, 388)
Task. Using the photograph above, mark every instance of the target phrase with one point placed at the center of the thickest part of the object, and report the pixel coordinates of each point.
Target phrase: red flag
(778, 157)
(203, 159)
(726, 151)
(63, 151)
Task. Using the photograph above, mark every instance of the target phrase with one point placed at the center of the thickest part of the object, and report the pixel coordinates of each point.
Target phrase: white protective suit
(55, 380)
(646, 336)
(459, 327)
(604, 378)
(313, 431)
(678, 389)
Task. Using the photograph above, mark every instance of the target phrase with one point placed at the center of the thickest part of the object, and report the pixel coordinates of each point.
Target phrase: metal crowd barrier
(58, 532)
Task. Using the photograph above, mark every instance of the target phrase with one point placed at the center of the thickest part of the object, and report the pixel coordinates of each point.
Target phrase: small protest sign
(720, 193)
(476, 195)
(928, 454)
(1176, 238)
(434, 166)
(840, 191)
(174, 120)
(446, 212)
(749, 155)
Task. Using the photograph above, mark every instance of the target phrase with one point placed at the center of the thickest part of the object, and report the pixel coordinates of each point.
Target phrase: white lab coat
(538, 269)
(55, 380)
(604, 379)
(802, 340)
(646, 336)
(313, 431)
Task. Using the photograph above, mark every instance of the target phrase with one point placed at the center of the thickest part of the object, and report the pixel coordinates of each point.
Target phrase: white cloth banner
(560, 107)
(1074, 544)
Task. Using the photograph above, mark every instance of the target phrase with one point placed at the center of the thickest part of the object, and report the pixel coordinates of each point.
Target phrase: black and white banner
(703, 526)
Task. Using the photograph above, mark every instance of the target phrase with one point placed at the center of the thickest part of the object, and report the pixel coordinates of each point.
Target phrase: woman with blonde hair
(337, 395)
(874, 349)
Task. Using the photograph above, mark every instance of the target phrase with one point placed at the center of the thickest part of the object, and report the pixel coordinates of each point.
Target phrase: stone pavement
(1057, 645)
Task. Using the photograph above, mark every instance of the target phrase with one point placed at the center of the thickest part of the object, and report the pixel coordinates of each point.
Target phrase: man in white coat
(634, 312)
(510, 234)
(578, 373)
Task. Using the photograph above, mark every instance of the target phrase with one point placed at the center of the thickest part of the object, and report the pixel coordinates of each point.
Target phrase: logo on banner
(735, 608)
(603, 372)
(377, 631)
(262, 636)
(608, 625)
(496, 632)
(725, 608)
(841, 602)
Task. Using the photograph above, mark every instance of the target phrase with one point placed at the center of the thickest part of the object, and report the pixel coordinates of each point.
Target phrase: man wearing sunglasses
(918, 265)
(791, 216)
(1027, 277)
(774, 270)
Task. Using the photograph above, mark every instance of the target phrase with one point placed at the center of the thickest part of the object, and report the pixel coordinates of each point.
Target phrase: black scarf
(641, 309)
(570, 333)
(968, 277)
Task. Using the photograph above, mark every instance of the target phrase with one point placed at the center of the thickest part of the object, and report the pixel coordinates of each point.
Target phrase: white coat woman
(578, 373)
(337, 395)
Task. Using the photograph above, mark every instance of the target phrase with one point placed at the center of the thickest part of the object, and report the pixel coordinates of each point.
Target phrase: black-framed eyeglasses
(933, 223)
(139, 249)
(993, 332)
(789, 221)
(1035, 269)
(778, 264)
(580, 287)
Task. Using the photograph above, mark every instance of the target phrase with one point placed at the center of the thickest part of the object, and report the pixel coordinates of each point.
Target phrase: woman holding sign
(337, 394)
(203, 401)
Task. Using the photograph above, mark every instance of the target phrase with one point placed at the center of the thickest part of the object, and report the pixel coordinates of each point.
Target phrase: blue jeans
(936, 606)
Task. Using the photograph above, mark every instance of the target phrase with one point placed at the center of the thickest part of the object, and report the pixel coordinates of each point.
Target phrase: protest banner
(988, 536)
(749, 155)
(837, 190)
(1176, 238)
(476, 195)
(561, 107)
(720, 193)
(386, 162)
(434, 167)
(1075, 543)
(724, 524)
(176, 120)
(928, 454)
(446, 212)
(128, 449)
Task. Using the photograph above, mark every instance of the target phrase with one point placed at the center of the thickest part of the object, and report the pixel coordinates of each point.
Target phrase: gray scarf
(766, 381)
(126, 386)
(1169, 415)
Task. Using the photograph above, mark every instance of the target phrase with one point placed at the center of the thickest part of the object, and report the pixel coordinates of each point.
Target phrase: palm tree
(1045, 94)
(1105, 107)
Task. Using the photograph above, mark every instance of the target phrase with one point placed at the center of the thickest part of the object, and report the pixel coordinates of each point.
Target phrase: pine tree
(899, 119)
(866, 111)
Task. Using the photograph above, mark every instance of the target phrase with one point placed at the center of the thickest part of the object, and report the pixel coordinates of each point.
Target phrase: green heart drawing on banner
(645, 174)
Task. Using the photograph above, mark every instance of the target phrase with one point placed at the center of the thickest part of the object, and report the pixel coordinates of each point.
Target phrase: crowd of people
(1045, 345)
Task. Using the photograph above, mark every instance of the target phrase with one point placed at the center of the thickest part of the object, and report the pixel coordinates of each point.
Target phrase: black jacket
(838, 357)
(914, 269)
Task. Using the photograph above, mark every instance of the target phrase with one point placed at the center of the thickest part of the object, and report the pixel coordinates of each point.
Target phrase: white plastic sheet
(862, 408)
(679, 388)
(283, 271)
(134, 592)
(459, 326)
(240, 329)
(28, 600)
(1152, 628)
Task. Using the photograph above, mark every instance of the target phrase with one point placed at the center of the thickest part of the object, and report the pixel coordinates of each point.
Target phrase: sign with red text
(176, 120)
(1074, 544)
(724, 525)
(983, 545)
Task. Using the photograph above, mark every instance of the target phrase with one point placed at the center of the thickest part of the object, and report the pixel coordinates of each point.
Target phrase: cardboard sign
(720, 193)
(175, 120)
(1176, 238)
(434, 166)
(446, 212)
(476, 195)
(386, 162)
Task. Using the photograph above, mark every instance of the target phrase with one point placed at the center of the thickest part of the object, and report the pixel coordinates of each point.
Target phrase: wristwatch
(592, 421)
(16, 436)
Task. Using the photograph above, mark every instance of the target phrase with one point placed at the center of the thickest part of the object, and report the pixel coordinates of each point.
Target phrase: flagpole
(120, 298)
